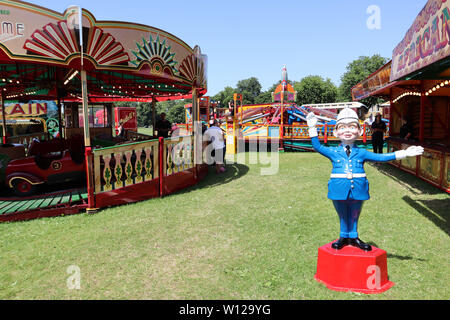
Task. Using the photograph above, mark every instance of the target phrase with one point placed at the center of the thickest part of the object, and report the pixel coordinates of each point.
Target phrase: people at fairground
(175, 131)
(378, 130)
(163, 126)
(217, 148)
(406, 130)
(121, 130)
(348, 187)
(231, 108)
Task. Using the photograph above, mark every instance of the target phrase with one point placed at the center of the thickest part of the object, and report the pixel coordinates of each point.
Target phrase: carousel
(84, 66)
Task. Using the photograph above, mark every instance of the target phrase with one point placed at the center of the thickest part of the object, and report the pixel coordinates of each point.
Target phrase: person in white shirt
(215, 135)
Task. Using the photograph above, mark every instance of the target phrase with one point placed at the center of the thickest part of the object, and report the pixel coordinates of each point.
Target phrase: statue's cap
(347, 115)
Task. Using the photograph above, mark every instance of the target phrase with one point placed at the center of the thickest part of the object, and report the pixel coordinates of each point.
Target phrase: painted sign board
(25, 110)
(426, 42)
(377, 81)
(127, 116)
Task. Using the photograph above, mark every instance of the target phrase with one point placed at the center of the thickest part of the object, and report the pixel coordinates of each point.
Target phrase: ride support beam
(87, 143)
(422, 113)
(2, 101)
(197, 133)
(153, 115)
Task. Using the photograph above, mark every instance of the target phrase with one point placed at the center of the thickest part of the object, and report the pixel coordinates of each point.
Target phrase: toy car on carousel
(51, 162)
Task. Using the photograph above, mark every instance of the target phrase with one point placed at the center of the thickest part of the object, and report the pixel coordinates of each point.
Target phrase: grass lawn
(240, 235)
(148, 131)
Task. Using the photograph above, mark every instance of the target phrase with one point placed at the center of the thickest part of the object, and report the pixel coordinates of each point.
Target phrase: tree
(357, 71)
(225, 96)
(144, 114)
(314, 89)
(177, 113)
(250, 89)
(266, 96)
(174, 110)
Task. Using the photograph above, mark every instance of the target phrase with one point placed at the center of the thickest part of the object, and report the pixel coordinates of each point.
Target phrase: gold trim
(15, 178)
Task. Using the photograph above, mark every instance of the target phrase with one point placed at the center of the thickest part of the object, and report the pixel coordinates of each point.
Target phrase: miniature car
(25, 175)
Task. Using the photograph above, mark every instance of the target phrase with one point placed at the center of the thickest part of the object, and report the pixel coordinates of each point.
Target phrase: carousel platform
(41, 206)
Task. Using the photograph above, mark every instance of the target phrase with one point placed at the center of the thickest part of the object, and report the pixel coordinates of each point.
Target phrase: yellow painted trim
(15, 178)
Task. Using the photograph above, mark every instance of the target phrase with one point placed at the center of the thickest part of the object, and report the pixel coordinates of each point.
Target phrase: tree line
(310, 90)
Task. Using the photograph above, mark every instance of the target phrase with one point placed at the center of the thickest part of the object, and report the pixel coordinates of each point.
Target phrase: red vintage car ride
(51, 163)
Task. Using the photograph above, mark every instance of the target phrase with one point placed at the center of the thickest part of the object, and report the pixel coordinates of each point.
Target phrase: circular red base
(352, 269)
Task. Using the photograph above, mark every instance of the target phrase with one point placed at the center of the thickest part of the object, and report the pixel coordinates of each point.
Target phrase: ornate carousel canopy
(42, 53)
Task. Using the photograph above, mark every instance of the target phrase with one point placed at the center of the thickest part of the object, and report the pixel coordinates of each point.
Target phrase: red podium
(352, 269)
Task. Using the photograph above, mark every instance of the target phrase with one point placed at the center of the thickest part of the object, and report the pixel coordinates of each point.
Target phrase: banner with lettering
(16, 110)
(426, 42)
(376, 81)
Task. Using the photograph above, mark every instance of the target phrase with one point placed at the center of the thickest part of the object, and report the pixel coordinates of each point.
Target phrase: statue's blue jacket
(349, 188)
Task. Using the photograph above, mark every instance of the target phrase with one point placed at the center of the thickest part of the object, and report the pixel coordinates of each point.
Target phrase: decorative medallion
(158, 54)
(193, 69)
(57, 41)
(56, 165)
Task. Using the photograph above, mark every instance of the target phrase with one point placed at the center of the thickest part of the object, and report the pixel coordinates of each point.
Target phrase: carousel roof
(43, 51)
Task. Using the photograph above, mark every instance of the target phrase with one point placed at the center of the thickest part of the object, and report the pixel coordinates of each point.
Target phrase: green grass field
(148, 131)
(240, 235)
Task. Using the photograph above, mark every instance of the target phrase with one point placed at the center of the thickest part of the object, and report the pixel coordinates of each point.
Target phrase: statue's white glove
(311, 120)
(412, 151)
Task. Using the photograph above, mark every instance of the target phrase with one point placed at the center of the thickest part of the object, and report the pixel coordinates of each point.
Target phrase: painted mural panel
(430, 165)
(376, 81)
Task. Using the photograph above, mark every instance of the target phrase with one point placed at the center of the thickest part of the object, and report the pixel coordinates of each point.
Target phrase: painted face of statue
(348, 133)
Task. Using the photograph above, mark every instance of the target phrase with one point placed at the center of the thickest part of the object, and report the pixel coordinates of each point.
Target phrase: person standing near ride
(231, 108)
(378, 131)
(215, 135)
(121, 130)
(163, 126)
(348, 187)
(406, 130)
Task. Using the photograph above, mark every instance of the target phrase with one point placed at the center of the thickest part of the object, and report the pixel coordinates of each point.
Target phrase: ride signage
(25, 110)
(427, 41)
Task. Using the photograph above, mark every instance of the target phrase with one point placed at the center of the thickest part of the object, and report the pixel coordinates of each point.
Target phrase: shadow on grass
(408, 180)
(234, 172)
(399, 257)
(396, 256)
(437, 211)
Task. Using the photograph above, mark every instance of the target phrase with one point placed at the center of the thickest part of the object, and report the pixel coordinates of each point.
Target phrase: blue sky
(255, 38)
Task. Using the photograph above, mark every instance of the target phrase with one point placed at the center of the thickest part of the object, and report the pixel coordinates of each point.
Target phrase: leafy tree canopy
(225, 96)
(250, 89)
(357, 71)
(314, 89)
(174, 110)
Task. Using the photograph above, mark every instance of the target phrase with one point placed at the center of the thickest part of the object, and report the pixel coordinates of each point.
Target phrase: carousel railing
(26, 139)
(325, 132)
(133, 136)
(178, 154)
(185, 128)
(125, 165)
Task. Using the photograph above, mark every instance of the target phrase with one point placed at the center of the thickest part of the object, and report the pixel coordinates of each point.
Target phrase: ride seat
(43, 161)
(76, 149)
